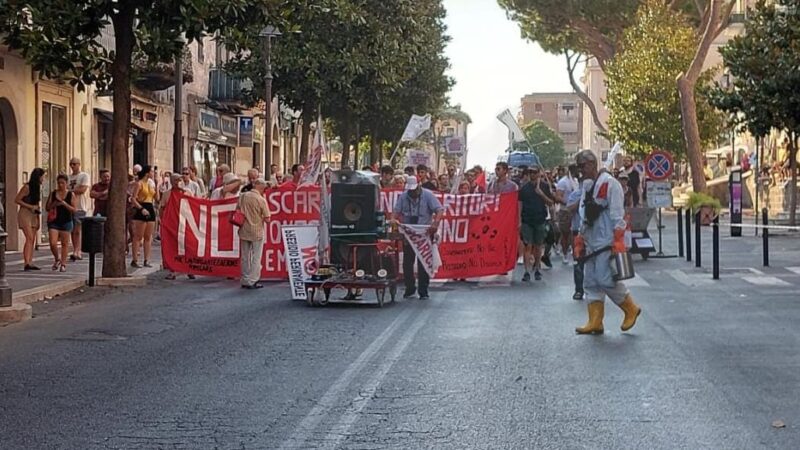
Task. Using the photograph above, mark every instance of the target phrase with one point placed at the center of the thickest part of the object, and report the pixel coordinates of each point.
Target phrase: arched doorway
(9, 179)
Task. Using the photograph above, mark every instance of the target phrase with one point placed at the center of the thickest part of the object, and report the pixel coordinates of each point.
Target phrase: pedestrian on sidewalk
(79, 184)
(29, 199)
(61, 207)
(99, 193)
(603, 230)
(417, 206)
(251, 234)
(144, 219)
(175, 188)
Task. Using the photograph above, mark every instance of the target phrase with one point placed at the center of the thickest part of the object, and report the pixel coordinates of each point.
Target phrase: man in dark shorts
(534, 198)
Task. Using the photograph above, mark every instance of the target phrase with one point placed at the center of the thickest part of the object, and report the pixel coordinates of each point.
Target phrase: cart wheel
(310, 292)
(327, 296)
(381, 293)
(645, 255)
(393, 292)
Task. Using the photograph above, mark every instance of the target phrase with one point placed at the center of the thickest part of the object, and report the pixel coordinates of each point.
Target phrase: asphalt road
(203, 364)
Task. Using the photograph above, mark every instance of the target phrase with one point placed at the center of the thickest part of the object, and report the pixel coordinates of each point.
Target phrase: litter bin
(92, 240)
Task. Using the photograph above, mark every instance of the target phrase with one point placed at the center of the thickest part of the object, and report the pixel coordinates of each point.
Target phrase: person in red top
(99, 193)
(297, 173)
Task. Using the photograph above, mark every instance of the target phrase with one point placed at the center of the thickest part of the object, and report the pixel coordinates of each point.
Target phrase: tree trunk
(793, 182)
(691, 133)
(374, 149)
(307, 118)
(346, 138)
(357, 143)
(687, 82)
(116, 233)
(571, 65)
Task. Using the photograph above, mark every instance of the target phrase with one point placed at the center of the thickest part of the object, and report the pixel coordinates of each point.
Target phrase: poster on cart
(300, 243)
(478, 235)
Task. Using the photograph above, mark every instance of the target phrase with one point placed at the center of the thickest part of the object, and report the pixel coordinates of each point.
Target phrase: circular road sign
(658, 165)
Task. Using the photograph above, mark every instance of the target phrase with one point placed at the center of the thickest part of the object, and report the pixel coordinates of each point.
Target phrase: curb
(40, 293)
(123, 282)
(15, 313)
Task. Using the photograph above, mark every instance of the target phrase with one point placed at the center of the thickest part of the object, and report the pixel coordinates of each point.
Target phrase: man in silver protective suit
(602, 235)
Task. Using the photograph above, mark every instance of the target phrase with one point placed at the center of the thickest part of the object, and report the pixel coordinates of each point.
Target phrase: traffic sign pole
(658, 167)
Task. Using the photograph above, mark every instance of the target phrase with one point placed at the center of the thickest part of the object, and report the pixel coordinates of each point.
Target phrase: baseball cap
(411, 183)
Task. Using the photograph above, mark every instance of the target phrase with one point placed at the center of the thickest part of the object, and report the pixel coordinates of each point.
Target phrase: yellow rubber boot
(595, 323)
(631, 311)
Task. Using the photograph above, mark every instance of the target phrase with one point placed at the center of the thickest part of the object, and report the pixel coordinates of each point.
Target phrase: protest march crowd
(576, 212)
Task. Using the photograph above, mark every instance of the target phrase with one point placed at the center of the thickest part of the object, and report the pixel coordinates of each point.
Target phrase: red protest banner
(197, 236)
(479, 233)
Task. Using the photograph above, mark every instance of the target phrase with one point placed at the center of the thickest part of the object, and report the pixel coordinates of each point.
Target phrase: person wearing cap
(229, 188)
(251, 234)
(603, 229)
(417, 206)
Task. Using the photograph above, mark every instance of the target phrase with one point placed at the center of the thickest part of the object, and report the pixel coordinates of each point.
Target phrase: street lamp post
(266, 35)
(177, 134)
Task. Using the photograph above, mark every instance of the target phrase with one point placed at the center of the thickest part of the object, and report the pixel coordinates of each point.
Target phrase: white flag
(424, 246)
(612, 155)
(416, 126)
(314, 163)
(517, 135)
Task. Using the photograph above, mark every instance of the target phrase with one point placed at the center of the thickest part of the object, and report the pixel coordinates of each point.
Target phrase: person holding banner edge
(603, 229)
(417, 206)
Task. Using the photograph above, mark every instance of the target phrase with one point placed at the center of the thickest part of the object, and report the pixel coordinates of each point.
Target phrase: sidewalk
(34, 286)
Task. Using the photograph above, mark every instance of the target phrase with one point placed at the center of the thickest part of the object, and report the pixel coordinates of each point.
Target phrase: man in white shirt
(566, 186)
(79, 184)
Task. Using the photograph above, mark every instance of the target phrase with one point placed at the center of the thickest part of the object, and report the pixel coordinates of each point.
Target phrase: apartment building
(562, 112)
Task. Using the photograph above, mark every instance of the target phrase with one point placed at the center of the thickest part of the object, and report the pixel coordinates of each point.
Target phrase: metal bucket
(622, 265)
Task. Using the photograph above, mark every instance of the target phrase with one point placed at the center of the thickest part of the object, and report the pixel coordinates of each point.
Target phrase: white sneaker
(565, 261)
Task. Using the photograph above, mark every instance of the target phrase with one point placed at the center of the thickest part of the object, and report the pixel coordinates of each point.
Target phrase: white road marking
(637, 281)
(794, 270)
(766, 281)
(329, 400)
(690, 280)
(367, 392)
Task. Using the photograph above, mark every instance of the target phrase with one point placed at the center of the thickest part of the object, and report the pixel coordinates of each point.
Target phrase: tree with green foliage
(644, 106)
(596, 28)
(366, 64)
(547, 144)
(763, 65)
(61, 40)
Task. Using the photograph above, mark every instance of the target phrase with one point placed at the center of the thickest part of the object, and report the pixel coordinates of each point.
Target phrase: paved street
(204, 364)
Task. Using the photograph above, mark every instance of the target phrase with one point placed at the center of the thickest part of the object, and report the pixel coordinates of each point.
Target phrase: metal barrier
(764, 239)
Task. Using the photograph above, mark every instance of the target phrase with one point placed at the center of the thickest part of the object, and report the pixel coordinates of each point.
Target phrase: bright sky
(494, 68)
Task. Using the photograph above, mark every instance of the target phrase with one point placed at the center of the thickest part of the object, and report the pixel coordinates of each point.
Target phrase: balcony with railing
(223, 87)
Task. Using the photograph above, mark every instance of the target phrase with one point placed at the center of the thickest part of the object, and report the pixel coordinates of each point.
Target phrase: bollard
(715, 249)
(765, 236)
(5, 289)
(680, 232)
(92, 243)
(697, 246)
(688, 225)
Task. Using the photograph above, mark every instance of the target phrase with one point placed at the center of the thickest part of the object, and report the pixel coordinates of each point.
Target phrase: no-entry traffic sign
(658, 165)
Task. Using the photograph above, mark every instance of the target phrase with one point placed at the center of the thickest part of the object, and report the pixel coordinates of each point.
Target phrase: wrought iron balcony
(225, 88)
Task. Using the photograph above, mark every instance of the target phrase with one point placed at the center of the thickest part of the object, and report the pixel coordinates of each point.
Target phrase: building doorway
(3, 169)
(141, 147)
(9, 180)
